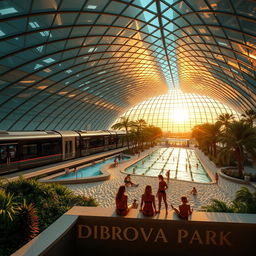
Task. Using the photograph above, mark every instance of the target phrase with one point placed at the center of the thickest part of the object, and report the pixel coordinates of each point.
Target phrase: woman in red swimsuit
(148, 202)
(161, 193)
(122, 207)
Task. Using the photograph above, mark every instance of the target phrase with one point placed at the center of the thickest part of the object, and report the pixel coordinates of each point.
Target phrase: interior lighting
(27, 81)
(2, 33)
(49, 60)
(92, 7)
(34, 24)
(8, 11)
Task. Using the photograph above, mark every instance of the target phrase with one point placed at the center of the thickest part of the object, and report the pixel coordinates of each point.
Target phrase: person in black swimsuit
(162, 194)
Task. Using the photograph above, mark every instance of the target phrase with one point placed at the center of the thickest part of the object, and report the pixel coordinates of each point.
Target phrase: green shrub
(244, 202)
(27, 206)
(7, 207)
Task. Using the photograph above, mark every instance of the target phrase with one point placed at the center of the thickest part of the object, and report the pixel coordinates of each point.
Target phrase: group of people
(118, 159)
(148, 201)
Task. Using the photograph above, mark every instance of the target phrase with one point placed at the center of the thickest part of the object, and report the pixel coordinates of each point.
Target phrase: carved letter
(197, 237)
(104, 233)
(146, 236)
(210, 237)
(223, 238)
(135, 234)
(116, 231)
(161, 235)
(95, 232)
(182, 233)
(82, 229)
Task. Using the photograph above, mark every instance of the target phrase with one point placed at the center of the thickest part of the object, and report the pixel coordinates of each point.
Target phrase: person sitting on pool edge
(184, 209)
(128, 182)
(122, 207)
(148, 204)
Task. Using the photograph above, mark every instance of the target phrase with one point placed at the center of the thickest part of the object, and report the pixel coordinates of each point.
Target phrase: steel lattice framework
(177, 112)
(80, 64)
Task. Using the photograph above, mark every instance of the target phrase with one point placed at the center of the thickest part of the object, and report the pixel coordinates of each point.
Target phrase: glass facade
(178, 112)
(80, 64)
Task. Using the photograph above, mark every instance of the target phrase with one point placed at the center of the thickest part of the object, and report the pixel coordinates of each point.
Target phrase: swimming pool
(182, 163)
(88, 171)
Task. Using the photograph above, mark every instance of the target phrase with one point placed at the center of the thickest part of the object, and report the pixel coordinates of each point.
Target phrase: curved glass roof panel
(177, 112)
(80, 64)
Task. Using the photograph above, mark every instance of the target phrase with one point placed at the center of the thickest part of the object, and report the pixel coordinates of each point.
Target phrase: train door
(84, 146)
(106, 143)
(8, 155)
(69, 150)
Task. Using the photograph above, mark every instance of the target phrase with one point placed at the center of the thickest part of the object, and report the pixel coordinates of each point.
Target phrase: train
(20, 150)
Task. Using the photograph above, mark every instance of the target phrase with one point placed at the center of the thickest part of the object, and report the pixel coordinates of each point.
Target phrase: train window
(84, 143)
(3, 152)
(46, 149)
(29, 150)
(96, 142)
(50, 148)
(7, 152)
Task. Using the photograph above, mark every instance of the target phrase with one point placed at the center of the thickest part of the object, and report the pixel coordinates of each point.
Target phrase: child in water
(193, 191)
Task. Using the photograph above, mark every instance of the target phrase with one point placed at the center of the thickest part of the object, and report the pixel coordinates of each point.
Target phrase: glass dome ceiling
(79, 64)
(178, 112)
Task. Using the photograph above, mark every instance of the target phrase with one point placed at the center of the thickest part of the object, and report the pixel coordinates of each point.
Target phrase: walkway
(104, 192)
(49, 169)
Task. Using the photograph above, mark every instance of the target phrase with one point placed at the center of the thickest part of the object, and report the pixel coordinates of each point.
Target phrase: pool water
(89, 171)
(182, 163)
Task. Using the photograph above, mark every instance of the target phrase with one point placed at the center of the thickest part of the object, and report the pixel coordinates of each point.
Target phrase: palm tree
(126, 124)
(225, 119)
(239, 139)
(212, 135)
(207, 136)
(154, 133)
(245, 201)
(249, 117)
(139, 125)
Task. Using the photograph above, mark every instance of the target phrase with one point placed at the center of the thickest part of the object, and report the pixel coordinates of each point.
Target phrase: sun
(179, 115)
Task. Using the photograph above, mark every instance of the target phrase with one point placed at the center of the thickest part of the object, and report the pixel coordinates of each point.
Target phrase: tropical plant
(212, 135)
(244, 202)
(139, 125)
(207, 136)
(126, 124)
(7, 207)
(225, 119)
(27, 225)
(249, 117)
(217, 206)
(238, 139)
(20, 221)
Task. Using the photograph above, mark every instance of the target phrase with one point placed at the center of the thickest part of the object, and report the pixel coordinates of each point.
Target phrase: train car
(69, 144)
(92, 142)
(121, 139)
(27, 149)
(113, 139)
